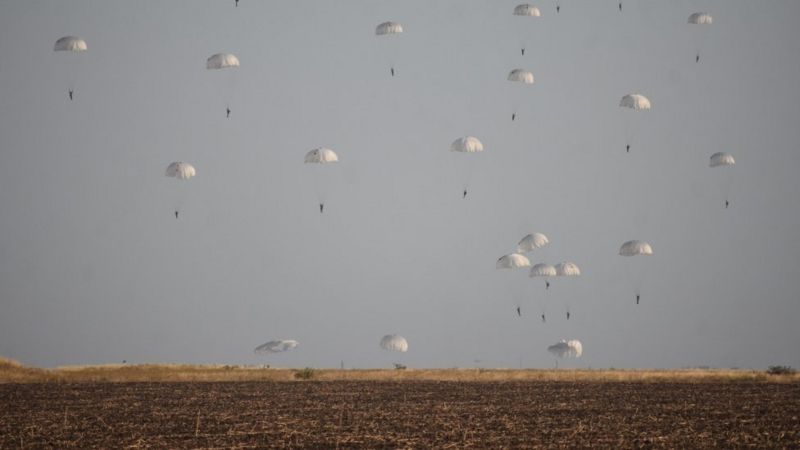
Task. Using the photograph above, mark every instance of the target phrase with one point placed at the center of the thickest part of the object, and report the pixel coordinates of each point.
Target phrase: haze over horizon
(95, 268)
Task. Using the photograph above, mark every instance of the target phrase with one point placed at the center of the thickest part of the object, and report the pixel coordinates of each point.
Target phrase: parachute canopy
(181, 170)
(70, 44)
(543, 270)
(322, 155)
(635, 101)
(512, 261)
(567, 269)
(527, 10)
(567, 349)
(634, 248)
(394, 343)
(388, 28)
(700, 18)
(276, 346)
(531, 242)
(222, 61)
(521, 75)
(466, 144)
(721, 159)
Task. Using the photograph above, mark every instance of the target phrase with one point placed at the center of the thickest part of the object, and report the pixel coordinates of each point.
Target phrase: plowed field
(411, 414)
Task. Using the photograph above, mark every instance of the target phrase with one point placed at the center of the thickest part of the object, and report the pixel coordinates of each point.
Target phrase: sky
(95, 268)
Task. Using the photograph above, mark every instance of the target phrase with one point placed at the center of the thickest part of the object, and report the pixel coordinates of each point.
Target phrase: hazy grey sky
(95, 268)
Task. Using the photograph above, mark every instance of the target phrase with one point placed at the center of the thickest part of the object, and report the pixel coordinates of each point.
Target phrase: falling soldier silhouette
(558, 9)
(697, 58)
(628, 148)
(465, 194)
(227, 112)
(637, 299)
(513, 116)
(523, 52)
(546, 285)
(392, 71)
(236, 4)
(176, 214)
(726, 204)
(620, 6)
(321, 207)
(543, 319)
(519, 313)
(70, 94)
(567, 315)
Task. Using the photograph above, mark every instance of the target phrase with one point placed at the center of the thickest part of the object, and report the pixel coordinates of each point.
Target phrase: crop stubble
(418, 414)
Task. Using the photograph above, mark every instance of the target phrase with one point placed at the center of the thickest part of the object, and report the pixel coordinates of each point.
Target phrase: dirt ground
(399, 414)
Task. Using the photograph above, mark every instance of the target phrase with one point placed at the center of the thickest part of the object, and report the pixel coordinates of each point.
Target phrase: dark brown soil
(375, 414)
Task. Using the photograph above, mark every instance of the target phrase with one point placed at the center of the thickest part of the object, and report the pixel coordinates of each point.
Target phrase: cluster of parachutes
(389, 342)
(465, 147)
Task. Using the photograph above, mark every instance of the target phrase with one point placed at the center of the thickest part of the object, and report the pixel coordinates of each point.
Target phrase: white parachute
(543, 270)
(720, 159)
(278, 346)
(512, 261)
(567, 349)
(219, 62)
(321, 155)
(320, 158)
(70, 44)
(388, 28)
(637, 272)
(394, 343)
(222, 61)
(521, 76)
(466, 144)
(180, 170)
(567, 269)
(635, 248)
(637, 102)
(532, 242)
(633, 102)
(527, 10)
(699, 18)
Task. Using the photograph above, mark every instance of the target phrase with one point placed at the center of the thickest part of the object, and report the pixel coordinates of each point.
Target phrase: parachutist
(176, 214)
(392, 71)
(620, 6)
(519, 313)
(697, 58)
(523, 52)
(70, 94)
(321, 207)
(465, 194)
(513, 116)
(227, 112)
(546, 285)
(567, 315)
(637, 299)
(726, 204)
(236, 3)
(543, 319)
(558, 9)
(628, 148)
